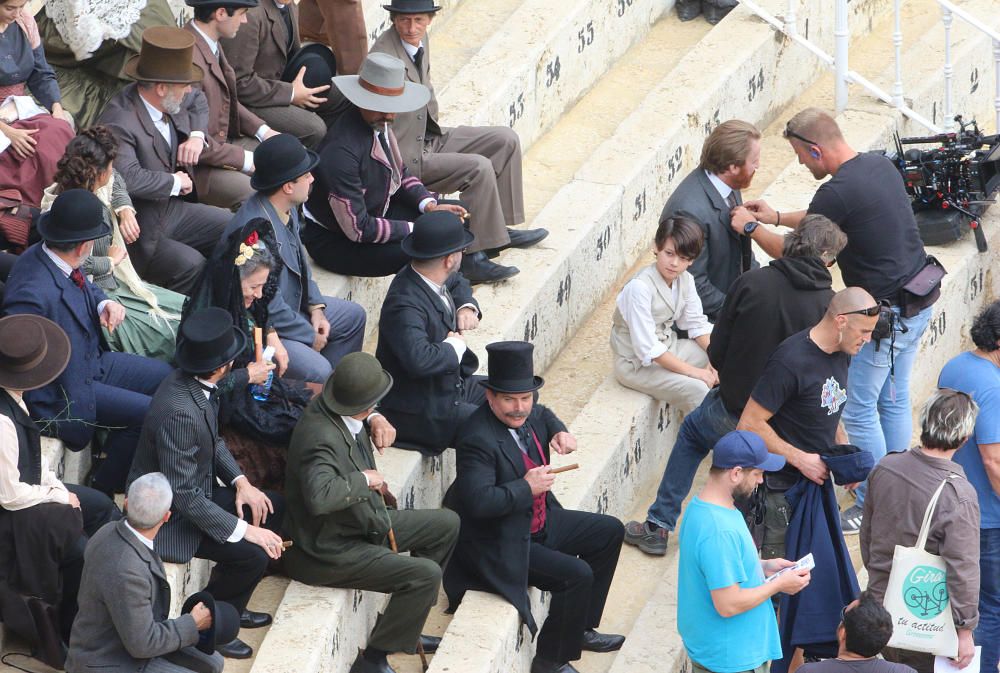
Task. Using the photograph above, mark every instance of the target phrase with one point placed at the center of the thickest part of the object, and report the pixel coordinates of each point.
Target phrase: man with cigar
(514, 533)
(343, 518)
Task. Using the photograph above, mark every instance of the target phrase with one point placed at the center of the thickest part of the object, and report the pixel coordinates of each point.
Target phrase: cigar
(564, 468)
(285, 544)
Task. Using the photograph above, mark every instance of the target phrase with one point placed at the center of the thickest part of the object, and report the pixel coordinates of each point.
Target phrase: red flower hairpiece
(252, 238)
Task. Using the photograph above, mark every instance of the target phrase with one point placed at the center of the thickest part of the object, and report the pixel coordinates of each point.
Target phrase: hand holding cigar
(285, 544)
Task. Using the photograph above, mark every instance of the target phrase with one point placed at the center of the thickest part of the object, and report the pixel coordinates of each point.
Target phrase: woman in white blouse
(649, 355)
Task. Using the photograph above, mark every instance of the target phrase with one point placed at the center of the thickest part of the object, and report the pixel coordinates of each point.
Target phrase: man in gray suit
(708, 195)
(180, 438)
(125, 599)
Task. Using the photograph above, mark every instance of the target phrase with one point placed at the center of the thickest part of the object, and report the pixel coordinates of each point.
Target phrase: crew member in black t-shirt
(867, 198)
(797, 402)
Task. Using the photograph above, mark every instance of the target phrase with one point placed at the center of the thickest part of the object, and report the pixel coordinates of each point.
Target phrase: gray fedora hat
(381, 86)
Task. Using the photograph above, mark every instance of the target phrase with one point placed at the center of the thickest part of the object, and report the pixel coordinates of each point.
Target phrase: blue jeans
(877, 415)
(988, 632)
(699, 432)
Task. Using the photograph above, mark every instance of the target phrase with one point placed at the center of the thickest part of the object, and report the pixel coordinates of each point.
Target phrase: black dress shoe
(430, 643)
(539, 665)
(362, 665)
(525, 238)
(713, 13)
(236, 649)
(254, 620)
(601, 642)
(477, 268)
(688, 9)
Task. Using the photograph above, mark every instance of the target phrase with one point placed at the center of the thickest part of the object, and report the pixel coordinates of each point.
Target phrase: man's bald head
(849, 300)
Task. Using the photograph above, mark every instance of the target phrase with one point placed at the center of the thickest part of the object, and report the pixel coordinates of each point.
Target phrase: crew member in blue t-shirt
(724, 616)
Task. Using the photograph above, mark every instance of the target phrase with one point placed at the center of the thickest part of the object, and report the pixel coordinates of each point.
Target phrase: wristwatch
(750, 227)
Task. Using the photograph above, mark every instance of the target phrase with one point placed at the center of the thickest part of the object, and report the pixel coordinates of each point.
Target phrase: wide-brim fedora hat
(166, 55)
(76, 216)
(34, 351)
(412, 7)
(381, 86)
(357, 384)
(225, 621)
(207, 340)
(215, 4)
(280, 159)
(511, 368)
(437, 234)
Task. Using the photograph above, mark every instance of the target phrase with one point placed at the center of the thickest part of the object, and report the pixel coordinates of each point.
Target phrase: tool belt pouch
(923, 289)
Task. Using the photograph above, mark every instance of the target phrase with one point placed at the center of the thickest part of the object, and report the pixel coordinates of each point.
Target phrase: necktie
(77, 278)
(418, 59)
(287, 18)
(527, 439)
(746, 251)
(731, 200)
(446, 296)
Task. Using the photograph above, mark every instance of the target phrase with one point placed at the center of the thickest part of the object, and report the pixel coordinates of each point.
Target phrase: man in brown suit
(481, 162)
(270, 81)
(338, 24)
(153, 131)
(222, 175)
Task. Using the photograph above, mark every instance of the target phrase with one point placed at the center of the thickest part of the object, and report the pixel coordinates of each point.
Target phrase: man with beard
(723, 613)
(708, 195)
(154, 139)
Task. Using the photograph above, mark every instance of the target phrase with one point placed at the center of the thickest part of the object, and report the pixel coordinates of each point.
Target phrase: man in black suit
(181, 439)
(708, 195)
(427, 309)
(514, 532)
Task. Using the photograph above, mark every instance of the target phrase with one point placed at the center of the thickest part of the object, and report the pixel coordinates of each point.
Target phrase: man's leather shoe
(688, 9)
(539, 665)
(362, 665)
(254, 620)
(714, 14)
(477, 268)
(601, 642)
(525, 238)
(430, 643)
(236, 649)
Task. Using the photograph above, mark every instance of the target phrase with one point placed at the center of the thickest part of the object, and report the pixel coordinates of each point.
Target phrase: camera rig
(951, 185)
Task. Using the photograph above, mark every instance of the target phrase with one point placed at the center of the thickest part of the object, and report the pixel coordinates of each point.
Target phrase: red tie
(77, 278)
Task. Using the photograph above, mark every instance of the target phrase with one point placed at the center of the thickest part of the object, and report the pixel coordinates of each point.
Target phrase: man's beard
(741, 498)
(172, 103)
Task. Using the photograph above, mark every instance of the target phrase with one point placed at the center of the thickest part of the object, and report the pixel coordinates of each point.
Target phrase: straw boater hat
(166, 56)
(33, 351)
(381, 86)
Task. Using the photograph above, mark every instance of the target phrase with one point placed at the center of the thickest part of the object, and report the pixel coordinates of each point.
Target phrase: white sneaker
(850, 519)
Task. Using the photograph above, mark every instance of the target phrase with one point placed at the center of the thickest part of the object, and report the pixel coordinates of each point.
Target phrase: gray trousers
(347, 335)
(186, 660)
(483, 164)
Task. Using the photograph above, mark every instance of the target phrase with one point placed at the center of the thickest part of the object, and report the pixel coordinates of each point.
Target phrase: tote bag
(917, 596)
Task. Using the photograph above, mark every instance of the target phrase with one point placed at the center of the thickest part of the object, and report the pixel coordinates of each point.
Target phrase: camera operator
(867, 198)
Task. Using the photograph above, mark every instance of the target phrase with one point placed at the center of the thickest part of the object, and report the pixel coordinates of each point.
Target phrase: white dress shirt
(723, 189)
(163, 127)
(67, 270)
(142, 538)
(635, 303)
(241, 525)
(410, 49)
(14, 493)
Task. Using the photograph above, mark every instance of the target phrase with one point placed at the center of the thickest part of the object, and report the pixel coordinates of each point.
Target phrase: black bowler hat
(437, 234)
(280, 159)
(76, 216)
(207, 340)
(225, 621)
(511, 368)
(412, 7)
(320, 63)
(215, 4)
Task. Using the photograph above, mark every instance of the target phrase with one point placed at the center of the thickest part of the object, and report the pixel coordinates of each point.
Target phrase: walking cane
(395, 550)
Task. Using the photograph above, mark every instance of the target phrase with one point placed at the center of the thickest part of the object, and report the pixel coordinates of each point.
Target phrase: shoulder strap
(925, 527)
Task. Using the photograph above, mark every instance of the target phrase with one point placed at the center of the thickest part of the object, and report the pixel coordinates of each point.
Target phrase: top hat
(207, 340)
(280, 159)
(225, 621)
(742, 448)
(166, 56)
(381, 86)
(76, 216)
(412, 7)
(215, 4)
(33, 351)
(319, 61)
(437, 234)
(511, 369)
(356, 384)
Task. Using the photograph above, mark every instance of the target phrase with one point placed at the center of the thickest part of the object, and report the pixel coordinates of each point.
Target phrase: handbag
(917, 595)
(923, 289)
(15, 219)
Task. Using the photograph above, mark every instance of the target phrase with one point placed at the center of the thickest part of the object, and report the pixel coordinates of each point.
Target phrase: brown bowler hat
(33, 351)
(166, 56)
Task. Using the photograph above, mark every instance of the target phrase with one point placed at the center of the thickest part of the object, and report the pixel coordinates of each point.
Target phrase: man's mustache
(518, 414)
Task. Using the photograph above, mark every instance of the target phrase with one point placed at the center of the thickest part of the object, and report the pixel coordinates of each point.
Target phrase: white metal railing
(843, 75)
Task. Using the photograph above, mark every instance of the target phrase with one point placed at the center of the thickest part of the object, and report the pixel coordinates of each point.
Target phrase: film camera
(951, 185)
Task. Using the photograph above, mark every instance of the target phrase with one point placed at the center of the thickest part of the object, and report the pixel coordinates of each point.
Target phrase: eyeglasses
(789, 133)
(843, 614)
(871, 312)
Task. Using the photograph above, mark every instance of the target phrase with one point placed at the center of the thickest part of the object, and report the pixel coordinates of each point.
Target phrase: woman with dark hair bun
(152, 313)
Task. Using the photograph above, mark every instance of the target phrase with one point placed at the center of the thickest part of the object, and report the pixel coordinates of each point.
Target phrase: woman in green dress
(152, 313)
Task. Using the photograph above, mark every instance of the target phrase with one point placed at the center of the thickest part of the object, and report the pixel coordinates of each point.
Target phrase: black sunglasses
(871, 312)
(789, 133)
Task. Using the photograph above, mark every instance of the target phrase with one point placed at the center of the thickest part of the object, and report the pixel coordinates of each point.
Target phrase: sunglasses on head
(871, 311)
(789, 133)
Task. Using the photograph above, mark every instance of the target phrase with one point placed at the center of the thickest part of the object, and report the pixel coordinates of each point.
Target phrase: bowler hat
(166, 55)
(511, 368)
(207, 340)
(216, 4)
(412, 7)
(381, 86)
(225, 621)
(320, 64)
(33, 351)
(356, 384)
(280, 159)
(742, 448)
(76, 216)
(436, 234)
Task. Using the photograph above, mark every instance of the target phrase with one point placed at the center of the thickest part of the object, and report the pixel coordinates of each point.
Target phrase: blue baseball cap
(741, 448)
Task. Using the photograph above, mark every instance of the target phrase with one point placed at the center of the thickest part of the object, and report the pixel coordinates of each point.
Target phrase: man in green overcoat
(338, 519)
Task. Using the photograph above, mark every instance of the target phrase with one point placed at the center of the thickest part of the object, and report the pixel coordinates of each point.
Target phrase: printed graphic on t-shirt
(832, 397)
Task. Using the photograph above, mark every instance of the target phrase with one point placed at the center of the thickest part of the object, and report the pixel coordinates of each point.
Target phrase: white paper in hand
(804, 563)
(946, 665)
